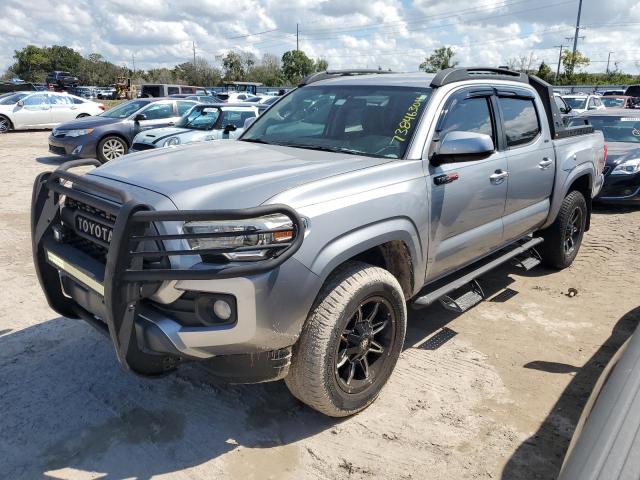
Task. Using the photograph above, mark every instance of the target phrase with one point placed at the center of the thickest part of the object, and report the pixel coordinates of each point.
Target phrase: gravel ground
(494, 392)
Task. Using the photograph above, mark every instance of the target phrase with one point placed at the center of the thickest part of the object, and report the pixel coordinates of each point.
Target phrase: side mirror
(230, 128)
(464, 146)
(248, 122)
(568, 108)
(139, 117)
(20, 103)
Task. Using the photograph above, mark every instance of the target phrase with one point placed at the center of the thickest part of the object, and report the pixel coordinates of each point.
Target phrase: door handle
(498, 177)
(545, 163)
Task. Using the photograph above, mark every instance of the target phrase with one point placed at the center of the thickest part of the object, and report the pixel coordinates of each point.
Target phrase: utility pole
(575, 37)
(297, 38)
(194, 54)
(559, 60)
(608, 59)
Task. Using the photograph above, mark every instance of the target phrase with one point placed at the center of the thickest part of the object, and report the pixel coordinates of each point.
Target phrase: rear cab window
(520, 120)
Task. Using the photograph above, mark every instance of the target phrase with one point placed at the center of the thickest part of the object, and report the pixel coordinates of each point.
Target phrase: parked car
(292, 251)
(84, 92)
(12, 87)
(200, 124)
(109, 135)
(632, 91)
(165, 90)
(106, 92)
(198, 98)
(61, 79)
(566, 111)
(619, 101)
(609, 93)
(582, 103)
(621, 130)
(235, 97)
(35, 110)
(605, 443)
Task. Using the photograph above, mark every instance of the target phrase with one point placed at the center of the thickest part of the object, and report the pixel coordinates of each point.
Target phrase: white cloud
(395, 34)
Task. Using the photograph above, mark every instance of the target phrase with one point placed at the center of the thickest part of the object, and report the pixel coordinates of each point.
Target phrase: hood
(225, 174)
(88, 122)
(157, 134)
(620, 151)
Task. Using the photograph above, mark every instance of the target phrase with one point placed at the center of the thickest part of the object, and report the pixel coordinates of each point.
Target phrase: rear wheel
(350, 342)
(563, 238)
(111, 147)
(5, 124)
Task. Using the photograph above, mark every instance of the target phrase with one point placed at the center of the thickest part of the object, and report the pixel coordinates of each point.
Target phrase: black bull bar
(125, 279)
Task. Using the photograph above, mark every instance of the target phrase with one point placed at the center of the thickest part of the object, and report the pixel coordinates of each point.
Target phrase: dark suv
(62, 79)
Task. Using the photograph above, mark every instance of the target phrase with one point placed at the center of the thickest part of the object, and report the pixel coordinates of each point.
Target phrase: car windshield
(376, 121)
(125, 110)
(613, 102)
(199, 118)
(615, 129)
(574, 102)
(11, 99)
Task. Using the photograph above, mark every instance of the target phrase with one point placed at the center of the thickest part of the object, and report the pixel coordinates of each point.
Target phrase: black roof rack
(315, 77)
(452, 75)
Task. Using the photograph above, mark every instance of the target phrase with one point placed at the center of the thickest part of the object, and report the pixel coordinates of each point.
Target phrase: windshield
(199, 118)
(613, 102)
(616, 129)
(377, 121)
(11, 99)
(579, 103)
(124, 110)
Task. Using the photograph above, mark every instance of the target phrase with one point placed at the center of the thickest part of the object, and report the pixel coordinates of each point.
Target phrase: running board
(457, 283)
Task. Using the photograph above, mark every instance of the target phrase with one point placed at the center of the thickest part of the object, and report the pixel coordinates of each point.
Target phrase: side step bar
(455, 284)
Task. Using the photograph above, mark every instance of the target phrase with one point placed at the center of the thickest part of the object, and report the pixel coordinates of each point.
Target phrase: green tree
(571, 61)
(267, 71)
(233, 67)
(440, 59)
(321, 65)
(296, 65)
(544, 72)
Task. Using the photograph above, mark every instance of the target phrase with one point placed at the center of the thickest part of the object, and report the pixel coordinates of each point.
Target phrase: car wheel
(5, 124)
(111, 147)
(351, 341)
(563, 238)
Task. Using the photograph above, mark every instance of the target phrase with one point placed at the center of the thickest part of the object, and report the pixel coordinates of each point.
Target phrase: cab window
(520, 120)
(468, 115)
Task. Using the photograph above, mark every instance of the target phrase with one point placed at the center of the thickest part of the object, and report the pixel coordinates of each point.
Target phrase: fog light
(222, 310)
(76, 151)
(59, 234)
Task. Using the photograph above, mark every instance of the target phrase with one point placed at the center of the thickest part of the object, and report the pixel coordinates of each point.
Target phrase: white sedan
(35, 110)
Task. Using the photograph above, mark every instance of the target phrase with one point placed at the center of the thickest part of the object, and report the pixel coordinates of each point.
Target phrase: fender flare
(561, 191)
(354, 242)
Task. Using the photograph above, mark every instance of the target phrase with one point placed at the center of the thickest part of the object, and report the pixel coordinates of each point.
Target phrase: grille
(57, 150)
(142, 146)
(76, 205)
(91, 248)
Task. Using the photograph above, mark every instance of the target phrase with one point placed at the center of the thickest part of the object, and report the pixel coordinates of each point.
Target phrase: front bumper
(81, 147)
(117, 296)
(621, 189)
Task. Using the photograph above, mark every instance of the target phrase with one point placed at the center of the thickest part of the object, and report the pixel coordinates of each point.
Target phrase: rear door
(530, 161)
(35, 112)
(158, 114)
(466, 211)
(62, 108)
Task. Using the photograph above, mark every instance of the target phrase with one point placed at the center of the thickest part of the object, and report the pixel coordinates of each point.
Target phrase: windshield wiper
(255, 140)
(326, 148)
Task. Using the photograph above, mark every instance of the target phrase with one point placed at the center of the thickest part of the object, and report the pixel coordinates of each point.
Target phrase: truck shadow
(54, 159)
(539, 456)
(68, 406)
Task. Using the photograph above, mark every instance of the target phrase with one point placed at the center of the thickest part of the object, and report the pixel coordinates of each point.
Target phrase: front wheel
(563, 238)
(110, 148)
(5, 124)
(351, 341)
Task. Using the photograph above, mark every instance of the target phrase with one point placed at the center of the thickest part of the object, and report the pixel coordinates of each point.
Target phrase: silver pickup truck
(293, 252)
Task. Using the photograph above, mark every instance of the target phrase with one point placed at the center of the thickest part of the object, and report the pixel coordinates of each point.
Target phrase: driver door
(467, 196)
(158, 114)
(34, 113)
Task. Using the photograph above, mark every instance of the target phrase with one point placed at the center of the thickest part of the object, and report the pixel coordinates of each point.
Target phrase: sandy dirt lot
(492, 393)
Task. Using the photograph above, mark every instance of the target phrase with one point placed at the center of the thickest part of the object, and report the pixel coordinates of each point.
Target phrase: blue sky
(395, 34)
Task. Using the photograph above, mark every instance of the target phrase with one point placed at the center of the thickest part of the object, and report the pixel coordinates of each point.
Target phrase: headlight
(253, 232)
(76, 133)
(628, 167)
(171, 142)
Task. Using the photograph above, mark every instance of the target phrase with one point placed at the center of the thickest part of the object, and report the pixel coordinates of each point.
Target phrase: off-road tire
(313, 374)
(106, 141)
(553, 251)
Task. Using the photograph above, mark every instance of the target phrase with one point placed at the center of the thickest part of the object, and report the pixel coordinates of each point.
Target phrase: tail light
(103, 108)
(604, 158)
